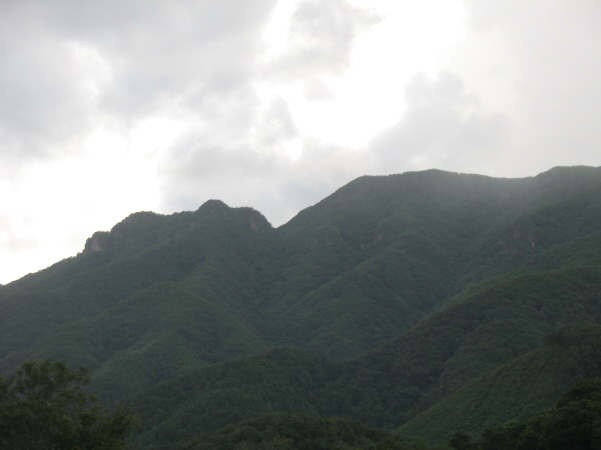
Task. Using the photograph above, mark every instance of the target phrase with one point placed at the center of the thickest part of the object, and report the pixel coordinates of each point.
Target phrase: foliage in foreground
(43, 406)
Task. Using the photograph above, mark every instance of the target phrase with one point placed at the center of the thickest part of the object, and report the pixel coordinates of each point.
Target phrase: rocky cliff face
(98, 242)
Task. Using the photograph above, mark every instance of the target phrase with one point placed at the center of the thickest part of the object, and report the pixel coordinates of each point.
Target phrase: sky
(108, 107)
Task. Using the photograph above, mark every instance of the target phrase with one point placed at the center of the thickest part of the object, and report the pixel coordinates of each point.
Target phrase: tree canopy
(574, 424)
(43, 405)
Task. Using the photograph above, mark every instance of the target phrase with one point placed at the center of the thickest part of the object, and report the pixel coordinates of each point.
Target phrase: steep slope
(573, 423)
(467, 339)
(281, 380)
(392, 384)
(405, 245)
(300, 431)
(517, 390)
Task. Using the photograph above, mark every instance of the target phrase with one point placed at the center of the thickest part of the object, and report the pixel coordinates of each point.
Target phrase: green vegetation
(487, 338)
(300, 431)
(43, 406)
(573, 424)
(431, 301)
(520, 389)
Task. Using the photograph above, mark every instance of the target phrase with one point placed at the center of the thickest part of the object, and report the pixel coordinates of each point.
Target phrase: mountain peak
(214, 206)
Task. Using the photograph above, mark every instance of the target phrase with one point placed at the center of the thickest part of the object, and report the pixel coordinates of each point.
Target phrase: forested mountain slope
(411, 286)
(391, 384)
(517, 390)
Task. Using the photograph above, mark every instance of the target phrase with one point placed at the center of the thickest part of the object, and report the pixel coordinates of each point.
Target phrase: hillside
(517, 390)
(397, 293)
(388, 386)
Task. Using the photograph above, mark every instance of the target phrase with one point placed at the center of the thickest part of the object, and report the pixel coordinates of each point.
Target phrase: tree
(574, 424)
(462, 441)
(576, 421)
(43, 406)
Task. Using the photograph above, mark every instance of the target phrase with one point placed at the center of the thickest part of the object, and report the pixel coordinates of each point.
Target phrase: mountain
(518, 389)
(385, 300)
(300, 431)
(424, 369)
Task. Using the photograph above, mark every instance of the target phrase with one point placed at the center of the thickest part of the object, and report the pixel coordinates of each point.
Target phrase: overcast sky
(108, 107)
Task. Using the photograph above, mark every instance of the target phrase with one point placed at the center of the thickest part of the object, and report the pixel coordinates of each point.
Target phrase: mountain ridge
(381, 261)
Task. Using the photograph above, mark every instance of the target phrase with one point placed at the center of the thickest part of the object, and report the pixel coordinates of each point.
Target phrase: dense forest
(421, 310)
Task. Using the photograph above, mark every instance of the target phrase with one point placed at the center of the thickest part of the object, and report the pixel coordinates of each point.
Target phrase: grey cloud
(443, 127)
(320, 38)
(251, 167)
(552, 57)
(42, 96)
(234, 162)
(320, 170)
(68, 66)
(276, 124)
(160, 58)
(252, 176)
(238, 176)
(187, 51)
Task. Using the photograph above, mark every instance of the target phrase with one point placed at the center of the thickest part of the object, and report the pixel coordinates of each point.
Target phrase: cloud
(320, 39)
(44, 96)
(442, 127)
(538, 63)
(520, 95)
(246, 148)
(116, 105)
(79, 80)
(275, 169)
(202, 54)
(68, 66)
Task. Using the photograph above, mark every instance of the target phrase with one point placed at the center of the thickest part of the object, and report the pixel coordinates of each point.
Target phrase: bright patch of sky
(349, 108)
